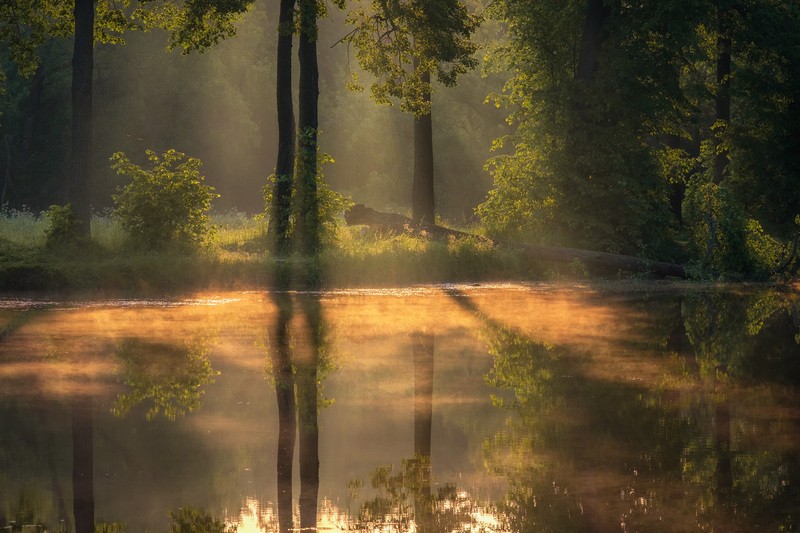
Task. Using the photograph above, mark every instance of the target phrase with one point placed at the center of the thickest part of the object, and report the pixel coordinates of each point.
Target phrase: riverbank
(238, 258)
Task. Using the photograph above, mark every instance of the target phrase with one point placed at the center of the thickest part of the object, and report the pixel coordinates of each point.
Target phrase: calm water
(507, 408)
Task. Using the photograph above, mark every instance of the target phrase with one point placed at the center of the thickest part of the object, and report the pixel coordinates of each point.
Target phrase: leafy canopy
(400, 40)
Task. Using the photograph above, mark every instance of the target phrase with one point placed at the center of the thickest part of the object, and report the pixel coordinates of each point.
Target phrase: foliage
(398, 41)
(192, 520)
(166, 204)
(404, 497)
(62, 226)
(582, 167)
(171, 377)
(725, 241)
(330, 203)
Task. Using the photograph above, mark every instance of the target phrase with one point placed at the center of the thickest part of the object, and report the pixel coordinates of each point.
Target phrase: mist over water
(440, 407)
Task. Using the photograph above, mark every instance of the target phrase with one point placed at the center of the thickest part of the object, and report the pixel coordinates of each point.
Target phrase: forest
(205, 139)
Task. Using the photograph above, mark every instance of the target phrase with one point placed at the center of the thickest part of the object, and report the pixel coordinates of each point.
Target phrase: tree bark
(422, 193)
(308, 224)
(591, 40)
(82, 67)
(281, 207)
(360, 214)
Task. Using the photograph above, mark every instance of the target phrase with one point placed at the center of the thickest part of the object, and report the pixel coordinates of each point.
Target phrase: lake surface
(441, 408)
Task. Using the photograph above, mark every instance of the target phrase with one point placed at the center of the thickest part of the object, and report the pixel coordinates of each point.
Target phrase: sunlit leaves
(399, 40)
(200, 24)
(166, 204)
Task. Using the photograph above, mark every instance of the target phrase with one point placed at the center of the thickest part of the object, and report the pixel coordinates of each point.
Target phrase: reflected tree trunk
(722, 428)
(82, 465)
(308, 410)
(287, 426)
(422, 348)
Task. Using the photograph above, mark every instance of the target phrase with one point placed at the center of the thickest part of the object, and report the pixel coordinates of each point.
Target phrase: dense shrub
(167, 204)
(62, 226)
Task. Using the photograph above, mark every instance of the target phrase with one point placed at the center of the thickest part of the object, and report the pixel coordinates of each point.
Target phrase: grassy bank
(239, 259)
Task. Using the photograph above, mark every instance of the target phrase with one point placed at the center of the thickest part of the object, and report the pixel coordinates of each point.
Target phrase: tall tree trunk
(723, 93)
(308, 224)
(591, 40)
(284, 167)
(82, 68)
(287, 423)
(422, 194)
(82, 465)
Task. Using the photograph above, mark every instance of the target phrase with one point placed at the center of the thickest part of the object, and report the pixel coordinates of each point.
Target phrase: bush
(62, 226)
(167, 204)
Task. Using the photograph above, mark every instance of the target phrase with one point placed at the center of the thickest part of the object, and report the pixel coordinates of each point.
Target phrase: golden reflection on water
(255, 517)
(568, 409)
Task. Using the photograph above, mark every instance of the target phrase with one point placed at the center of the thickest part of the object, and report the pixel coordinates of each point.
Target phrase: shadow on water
(695, 451)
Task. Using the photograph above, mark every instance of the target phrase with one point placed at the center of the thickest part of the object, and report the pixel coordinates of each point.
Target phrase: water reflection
(170, 377)
(504, 409)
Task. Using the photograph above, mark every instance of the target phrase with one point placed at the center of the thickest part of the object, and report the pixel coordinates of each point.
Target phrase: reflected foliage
(728, 333)
(192, 520)
(699, 433)
(169, 378)
(404, 499)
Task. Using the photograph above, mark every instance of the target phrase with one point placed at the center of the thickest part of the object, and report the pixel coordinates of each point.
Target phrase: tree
(592, 93)
(308, 221)
(281, 206)
(747, 159)
(401, 42)
(193, 25)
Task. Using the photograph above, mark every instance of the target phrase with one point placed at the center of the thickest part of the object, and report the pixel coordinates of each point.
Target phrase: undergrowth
(238, 258)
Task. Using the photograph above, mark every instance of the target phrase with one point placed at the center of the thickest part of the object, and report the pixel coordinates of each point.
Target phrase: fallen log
(360, 214)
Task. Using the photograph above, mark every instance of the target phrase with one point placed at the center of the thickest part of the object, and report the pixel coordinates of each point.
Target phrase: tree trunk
(308, 224)
(422, 195)
(723, 93)
(360, 214)
(281, 207)
(82, 67)
(591, 40)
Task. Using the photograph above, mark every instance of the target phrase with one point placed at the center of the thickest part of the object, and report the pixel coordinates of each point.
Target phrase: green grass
(238, 258)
